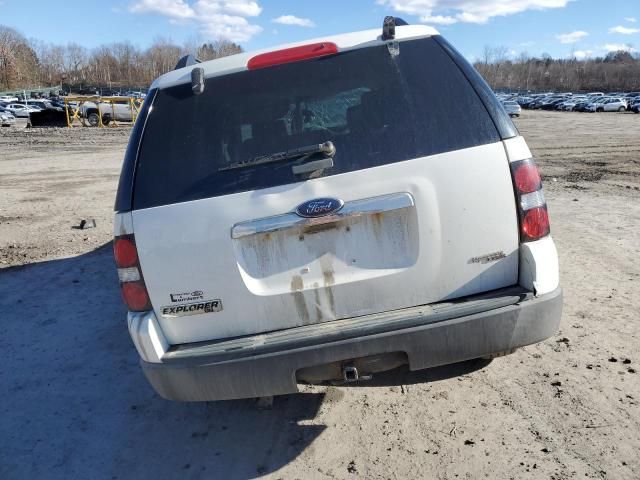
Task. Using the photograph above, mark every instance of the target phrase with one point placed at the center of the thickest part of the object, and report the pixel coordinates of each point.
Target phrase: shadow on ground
(75, 403)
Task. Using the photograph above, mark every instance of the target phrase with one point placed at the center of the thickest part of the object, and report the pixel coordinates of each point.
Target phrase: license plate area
(328, 252)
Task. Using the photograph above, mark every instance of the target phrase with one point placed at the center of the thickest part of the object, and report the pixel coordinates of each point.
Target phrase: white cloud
(572, 37)
(624, 30)
(439, 19)
(615, 47)
(446, 12)
(215, 18)
(631, 19)
(582, 54)
(176, 9)
(293, 20)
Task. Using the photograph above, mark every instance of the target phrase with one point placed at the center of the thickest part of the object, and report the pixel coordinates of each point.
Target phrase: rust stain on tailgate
(297, 285)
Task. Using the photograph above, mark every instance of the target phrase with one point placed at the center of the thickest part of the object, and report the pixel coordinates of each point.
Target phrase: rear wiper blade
(326, 148)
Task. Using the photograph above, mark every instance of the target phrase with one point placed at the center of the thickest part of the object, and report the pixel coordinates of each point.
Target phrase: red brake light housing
(125, 252)
(132, 286)
(294, 54)
(527, 178)
(531, 204)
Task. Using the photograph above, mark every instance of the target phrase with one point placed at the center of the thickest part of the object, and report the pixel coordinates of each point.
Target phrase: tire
(600, 110)
(621, 109)
(93, 119)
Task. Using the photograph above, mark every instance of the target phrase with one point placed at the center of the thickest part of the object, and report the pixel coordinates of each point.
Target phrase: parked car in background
(512, 108)
(631, 98)
(115, 110)
(6, 117)
(44, 104)
(608, 104)
(592, 105)
(582, 105)
(8, 99)
(569, 105)
(567, 101)
(546, 102)
(20, 110)
(635, 107)
(57, 103)
(523, 100)
(551, 103)
(535, 103)
(135, 94)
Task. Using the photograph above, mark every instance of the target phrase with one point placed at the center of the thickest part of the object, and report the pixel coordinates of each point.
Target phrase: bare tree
(18, 62)
(25, 64)
(616, 71)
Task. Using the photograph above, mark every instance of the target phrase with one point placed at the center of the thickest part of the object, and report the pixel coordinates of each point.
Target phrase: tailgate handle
(355, 208)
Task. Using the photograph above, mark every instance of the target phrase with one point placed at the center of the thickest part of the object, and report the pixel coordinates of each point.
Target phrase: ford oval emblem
(319, 207)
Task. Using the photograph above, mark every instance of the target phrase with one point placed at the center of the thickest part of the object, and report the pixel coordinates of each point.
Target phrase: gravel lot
(76, 405)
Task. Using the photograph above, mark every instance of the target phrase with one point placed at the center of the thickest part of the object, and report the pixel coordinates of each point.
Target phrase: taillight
(124, 250)
(135, 296)
(532, 206)
(134, 290)
(527, 178)
(535, 223)
(293, 54)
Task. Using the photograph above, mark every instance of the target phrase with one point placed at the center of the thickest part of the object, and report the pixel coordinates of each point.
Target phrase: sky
(560, 28)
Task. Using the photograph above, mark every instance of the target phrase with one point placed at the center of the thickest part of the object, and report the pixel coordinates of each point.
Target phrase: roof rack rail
(187, 61)
(389, 27)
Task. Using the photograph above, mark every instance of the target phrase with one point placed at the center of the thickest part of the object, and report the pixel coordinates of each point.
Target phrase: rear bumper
(266, 364)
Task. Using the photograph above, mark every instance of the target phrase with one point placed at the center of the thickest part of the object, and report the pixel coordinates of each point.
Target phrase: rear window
(377, 108)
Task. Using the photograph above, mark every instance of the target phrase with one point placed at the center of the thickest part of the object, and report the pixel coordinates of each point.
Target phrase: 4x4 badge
(319, 207)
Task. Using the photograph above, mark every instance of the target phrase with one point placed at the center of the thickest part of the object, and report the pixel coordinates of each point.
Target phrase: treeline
(617, 71)
(30, 63)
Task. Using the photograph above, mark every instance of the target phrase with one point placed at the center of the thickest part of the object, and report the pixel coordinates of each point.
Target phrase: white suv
(327, 210)
(607, 105)
(20, 110)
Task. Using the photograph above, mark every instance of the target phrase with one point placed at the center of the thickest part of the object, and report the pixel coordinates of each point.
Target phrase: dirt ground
(76, 405)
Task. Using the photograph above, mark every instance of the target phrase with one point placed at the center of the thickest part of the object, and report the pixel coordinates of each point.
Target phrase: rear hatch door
(417, 208)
